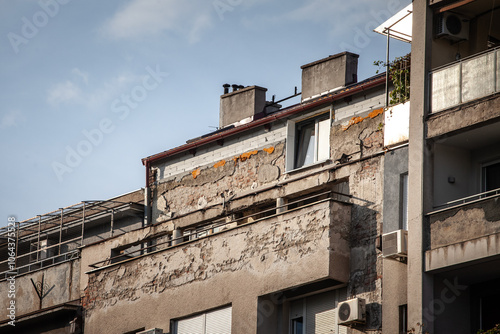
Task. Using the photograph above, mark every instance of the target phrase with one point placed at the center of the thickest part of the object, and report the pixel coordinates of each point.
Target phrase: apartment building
(454, 167)
(271, 224)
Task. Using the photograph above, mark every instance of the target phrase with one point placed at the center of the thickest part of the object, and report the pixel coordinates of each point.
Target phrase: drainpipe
(387, 69)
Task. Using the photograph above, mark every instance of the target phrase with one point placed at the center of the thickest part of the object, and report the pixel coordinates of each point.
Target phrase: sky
(89, 88)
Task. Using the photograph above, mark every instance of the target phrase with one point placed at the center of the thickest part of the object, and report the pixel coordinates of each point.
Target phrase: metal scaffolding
(57, 236)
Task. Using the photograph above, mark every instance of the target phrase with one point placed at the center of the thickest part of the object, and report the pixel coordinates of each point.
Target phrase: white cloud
(83, 75)
(12, 118)
(76, 91)
(63, 93)
(338, 18)
(146, 17)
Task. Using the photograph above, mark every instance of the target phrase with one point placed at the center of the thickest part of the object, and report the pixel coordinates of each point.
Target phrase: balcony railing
(465, 80)
(465, 219)
(193, 233)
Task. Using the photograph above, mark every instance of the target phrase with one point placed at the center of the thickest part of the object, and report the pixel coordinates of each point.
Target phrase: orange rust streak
(247, 155)
(269, 150)
(220, 164)
(195, 173)
(356, 120)
(376, 112)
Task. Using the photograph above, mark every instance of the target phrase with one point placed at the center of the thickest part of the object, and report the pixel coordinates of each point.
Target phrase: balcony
(465, 80)
(465, 230)
(303, 244)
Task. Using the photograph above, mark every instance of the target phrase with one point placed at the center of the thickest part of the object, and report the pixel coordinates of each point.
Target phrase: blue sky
(88, 88)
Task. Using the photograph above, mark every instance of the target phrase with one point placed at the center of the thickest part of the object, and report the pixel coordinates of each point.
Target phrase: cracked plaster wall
(206, 185)
(212, 270)
(61, 286)
(361, 137)
(482, 219)
(298, 247)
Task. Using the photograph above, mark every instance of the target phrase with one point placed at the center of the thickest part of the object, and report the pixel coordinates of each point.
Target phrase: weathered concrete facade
(234, 226)
(453, 169)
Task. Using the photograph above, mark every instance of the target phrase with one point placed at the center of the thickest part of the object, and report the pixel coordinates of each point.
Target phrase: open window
(308, 141)
(491, 176)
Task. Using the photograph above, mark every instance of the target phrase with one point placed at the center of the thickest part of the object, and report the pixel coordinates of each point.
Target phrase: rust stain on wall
(356, 120)
(195, 173)
(220, 164)
(269, 150)
(245, 156)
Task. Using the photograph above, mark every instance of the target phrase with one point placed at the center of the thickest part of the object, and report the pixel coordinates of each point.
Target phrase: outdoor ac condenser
(395, 244)
(351, 311)
(453, 27)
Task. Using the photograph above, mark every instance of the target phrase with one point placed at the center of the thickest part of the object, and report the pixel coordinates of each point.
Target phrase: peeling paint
(269, 149)
(245, 156)
(220, 164)
(195, 173)
(356, 120)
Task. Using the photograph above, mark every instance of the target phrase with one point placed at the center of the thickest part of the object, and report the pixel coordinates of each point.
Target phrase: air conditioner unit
(351, 312)
(453, 27)
(152, 331)
(395, 244)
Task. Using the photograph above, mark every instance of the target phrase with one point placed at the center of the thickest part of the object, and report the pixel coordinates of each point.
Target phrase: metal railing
(465, 80)
(217, 226)
(466, 200)
(30, 252)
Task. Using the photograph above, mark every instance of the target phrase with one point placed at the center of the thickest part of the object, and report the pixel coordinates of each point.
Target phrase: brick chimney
(329, 73)
(242, 104)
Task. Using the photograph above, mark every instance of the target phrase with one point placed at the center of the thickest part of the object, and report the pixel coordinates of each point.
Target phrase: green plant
(494, 330)
(399, 72)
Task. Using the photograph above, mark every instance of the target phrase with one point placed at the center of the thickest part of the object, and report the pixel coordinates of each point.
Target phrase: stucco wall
(235, 266)
(465, 223)
(61, 285)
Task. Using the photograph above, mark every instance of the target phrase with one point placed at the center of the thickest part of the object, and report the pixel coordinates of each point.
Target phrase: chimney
(241, 104)
(329, 73)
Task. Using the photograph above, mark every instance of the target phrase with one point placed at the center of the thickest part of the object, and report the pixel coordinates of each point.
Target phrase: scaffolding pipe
(387, 70)
(83, 224)
(60, 232)
(112, 221)
(17, 243)
(38, 237)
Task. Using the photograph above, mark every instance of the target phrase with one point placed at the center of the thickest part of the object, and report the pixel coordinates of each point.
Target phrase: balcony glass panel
(478, 77)
(445, 88)
(464, 81)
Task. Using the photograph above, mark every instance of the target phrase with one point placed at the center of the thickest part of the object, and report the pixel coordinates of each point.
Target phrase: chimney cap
(345, 53)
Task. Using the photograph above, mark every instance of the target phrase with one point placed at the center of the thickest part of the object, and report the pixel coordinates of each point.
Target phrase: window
(308, 142)
(403, 216)
(218, 321)
(491, 176)
(403, 319)
(317, 314)
(298, 326)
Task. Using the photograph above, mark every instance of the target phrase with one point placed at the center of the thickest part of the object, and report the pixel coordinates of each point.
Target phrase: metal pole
(17, 243)
(60, 232)
(38, 242)
(387, 69)
(83, 224)
(112, 221)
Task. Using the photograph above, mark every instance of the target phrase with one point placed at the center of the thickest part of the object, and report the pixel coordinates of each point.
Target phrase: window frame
(483, 173)
(293, 137)
(174, 323)
(403, 204)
